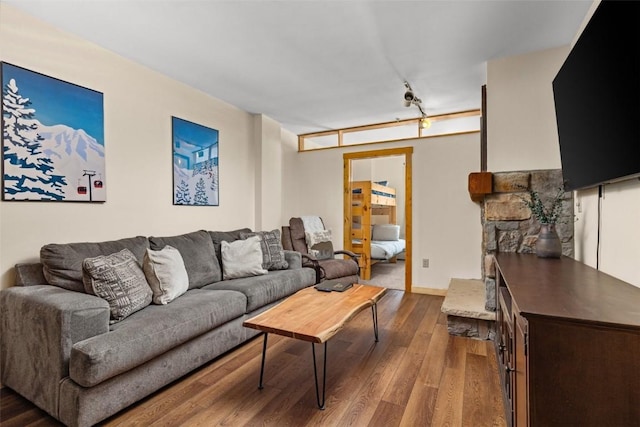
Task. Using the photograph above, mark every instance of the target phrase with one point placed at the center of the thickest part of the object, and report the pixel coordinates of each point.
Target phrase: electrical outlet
(425, 263)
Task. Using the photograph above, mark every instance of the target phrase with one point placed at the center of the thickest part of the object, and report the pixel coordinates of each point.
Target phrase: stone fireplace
(507, 223)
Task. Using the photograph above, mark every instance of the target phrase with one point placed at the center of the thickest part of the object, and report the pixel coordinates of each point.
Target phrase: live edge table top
(314, 316)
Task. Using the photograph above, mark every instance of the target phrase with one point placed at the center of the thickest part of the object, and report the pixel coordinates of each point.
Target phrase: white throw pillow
(242, 258)
(385, 232)
(166, 274)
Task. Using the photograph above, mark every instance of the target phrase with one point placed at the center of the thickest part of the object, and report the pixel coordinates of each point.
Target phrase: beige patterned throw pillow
(319, 244)
(118, 279)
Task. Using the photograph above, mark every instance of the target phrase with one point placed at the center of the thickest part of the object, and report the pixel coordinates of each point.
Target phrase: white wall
(521, 124)
(619, 252)
(268, 173)
(138, 105)
(446, 223)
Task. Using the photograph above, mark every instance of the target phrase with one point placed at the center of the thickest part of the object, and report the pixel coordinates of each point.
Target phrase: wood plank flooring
(416, 375)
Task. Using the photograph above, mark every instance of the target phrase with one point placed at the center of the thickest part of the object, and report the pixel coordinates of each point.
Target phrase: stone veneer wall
(507, 222)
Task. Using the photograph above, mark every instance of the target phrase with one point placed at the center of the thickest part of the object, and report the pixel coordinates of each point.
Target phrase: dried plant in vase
(538, 209)
(548, 244)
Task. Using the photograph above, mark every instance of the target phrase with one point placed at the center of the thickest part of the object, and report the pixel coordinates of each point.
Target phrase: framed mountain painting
(195, 164)
(52, 139)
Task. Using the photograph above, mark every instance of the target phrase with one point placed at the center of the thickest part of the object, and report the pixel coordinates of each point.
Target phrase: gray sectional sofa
(62, 350)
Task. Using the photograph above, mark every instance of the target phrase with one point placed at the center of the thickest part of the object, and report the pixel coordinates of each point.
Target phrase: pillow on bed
(385, 232)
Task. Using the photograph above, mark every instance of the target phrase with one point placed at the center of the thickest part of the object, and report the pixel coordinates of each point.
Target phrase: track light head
(409, 96)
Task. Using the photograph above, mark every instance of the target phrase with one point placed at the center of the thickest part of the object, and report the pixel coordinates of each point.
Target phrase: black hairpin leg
(324, 375)
(264, 356)
(374, 311)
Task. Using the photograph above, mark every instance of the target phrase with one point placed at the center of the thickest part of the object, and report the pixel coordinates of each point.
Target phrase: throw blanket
(312, 223)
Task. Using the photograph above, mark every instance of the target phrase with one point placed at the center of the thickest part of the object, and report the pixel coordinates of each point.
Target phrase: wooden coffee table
(314, 316)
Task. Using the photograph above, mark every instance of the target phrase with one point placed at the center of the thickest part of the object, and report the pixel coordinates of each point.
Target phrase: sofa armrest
(39, 324)
(29, 274)
(349, 253)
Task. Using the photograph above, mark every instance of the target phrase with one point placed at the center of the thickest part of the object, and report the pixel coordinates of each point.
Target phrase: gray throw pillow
(272, 251)
(198, 254)
(119, 280)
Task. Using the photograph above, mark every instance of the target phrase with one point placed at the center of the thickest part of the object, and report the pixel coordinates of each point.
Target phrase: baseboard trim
(429, 291)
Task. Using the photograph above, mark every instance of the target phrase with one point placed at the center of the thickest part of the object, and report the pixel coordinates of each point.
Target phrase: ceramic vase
(548, 244)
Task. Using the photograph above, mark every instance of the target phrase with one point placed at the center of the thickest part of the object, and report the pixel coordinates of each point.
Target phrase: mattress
(385, 249)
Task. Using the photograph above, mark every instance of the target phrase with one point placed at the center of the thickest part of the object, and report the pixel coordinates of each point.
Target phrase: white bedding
(386, 249)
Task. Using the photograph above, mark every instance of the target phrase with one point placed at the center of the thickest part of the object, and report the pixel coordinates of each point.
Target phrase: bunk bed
(372, 222)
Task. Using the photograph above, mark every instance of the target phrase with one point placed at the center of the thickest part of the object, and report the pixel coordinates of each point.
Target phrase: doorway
(349, 232)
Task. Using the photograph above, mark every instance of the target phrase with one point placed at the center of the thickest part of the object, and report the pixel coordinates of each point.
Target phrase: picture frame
(195, 164)
(53, 139)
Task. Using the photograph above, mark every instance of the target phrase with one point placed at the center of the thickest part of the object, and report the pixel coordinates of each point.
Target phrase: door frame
(407, 152)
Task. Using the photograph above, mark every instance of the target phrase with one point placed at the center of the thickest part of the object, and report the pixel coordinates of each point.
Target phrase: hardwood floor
(416, 375)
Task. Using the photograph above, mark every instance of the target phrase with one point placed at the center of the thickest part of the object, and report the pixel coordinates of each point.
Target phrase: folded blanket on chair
(312, 223)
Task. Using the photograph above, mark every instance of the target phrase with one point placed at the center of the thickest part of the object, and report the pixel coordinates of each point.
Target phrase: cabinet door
(504, 347)
(520, 374)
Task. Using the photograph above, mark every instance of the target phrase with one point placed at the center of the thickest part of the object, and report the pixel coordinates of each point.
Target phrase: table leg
(264, 356)
(374, 311)
(324, 375)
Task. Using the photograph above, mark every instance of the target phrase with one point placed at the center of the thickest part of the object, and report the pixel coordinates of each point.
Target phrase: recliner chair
(329, 269)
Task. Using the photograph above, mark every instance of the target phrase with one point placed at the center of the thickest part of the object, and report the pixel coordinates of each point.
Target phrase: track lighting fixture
(425, 123)
(409, 99)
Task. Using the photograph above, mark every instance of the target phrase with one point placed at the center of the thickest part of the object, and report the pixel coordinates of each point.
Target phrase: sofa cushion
(242, 258)
(118, 279)
(225, 236)
(263, 290)
(62, 263)
(166, 274)
(150, 333)
(272, 250)
(198, 254)
(337, 268)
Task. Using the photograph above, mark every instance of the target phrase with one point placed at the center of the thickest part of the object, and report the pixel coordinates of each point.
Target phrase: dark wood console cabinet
(567, 343)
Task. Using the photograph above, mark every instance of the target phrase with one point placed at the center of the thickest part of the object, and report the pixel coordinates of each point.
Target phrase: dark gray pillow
(198, 255)
(62, 263)
(119, 280)
(272, 251)
(226, 236)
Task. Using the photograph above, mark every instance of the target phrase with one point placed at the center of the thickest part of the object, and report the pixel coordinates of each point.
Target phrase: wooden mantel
(480, 184)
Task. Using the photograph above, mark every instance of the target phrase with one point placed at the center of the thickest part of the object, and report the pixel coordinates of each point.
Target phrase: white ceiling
(318, 65)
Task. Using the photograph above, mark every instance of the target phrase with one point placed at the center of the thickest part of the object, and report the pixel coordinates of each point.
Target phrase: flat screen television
(597, 99)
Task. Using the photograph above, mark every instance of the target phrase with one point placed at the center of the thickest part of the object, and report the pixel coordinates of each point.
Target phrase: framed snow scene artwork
(195, 164)
(52, 139)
